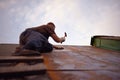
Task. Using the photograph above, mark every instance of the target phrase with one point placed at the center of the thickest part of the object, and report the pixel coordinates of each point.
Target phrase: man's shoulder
(42, 26)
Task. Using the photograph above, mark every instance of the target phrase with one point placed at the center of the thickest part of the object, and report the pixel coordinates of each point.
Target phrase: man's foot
(17, 51)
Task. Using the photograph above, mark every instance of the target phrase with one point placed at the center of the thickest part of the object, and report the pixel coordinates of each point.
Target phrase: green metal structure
(106, 42)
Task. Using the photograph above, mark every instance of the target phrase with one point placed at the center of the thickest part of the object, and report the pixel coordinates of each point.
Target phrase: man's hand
(58, 47)
(57, 39)
(62, 39)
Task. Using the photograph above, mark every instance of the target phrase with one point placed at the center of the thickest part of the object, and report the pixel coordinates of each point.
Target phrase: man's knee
(50, 48)
(47, 48)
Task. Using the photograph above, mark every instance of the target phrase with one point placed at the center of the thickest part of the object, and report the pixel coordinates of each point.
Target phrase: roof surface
(76, 63)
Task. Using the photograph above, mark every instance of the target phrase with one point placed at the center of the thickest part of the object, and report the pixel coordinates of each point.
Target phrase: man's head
(50, 24)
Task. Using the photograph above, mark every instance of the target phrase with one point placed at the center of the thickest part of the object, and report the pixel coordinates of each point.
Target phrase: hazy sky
(81, 19)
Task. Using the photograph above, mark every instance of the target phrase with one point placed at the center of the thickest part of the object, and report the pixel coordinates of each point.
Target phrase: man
(36, 39)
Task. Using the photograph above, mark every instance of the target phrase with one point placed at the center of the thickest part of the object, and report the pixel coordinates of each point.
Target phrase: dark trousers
(34, 40)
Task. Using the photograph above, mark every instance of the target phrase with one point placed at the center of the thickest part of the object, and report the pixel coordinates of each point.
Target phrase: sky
(80, 19)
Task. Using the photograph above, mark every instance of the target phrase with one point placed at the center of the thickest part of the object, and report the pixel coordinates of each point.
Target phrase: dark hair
(51, 23)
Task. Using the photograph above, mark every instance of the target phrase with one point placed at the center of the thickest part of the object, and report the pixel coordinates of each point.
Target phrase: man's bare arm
(57, 39)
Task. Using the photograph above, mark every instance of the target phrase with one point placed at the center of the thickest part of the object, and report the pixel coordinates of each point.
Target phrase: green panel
(106, 42)
(110, 44)
(97, 42)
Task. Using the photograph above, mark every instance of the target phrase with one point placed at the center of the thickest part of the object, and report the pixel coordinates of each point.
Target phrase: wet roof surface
(76, 63)
(83, 63)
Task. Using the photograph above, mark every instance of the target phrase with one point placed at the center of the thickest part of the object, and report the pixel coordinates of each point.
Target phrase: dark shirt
(44, 30)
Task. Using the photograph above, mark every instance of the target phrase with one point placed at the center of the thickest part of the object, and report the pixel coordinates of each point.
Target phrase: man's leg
(47, 47)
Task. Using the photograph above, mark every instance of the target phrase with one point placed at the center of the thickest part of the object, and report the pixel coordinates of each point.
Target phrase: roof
(76, 62)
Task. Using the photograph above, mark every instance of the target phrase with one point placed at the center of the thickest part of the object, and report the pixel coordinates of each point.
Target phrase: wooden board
(83, 62)
(10, 59)
(22, 69)
(7, 49)
(85, 75)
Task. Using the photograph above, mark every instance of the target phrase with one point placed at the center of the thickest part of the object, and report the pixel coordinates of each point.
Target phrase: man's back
(44, 30)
